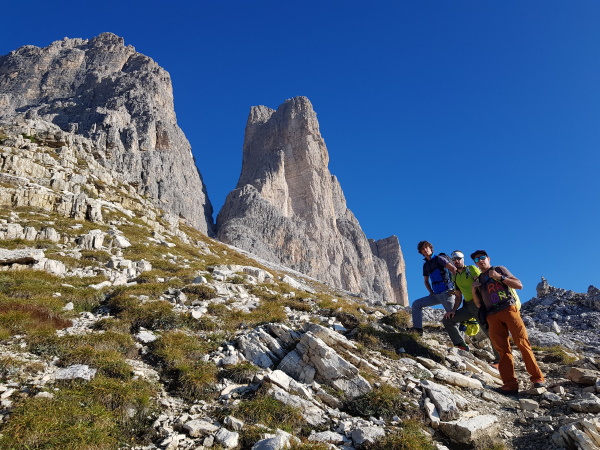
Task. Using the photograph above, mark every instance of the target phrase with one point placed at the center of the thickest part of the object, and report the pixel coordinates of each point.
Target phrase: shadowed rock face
(288, 208)
(120, 99)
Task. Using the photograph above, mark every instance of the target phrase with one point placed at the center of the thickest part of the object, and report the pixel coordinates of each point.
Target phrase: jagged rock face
(121, 100)
(388, 249)
(288, 208)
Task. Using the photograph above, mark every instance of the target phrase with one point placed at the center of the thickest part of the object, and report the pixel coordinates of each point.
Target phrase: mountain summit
(122, 101)
(288, 208)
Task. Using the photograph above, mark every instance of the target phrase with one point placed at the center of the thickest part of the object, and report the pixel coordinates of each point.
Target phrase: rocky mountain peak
(122, 101)
(288, 208)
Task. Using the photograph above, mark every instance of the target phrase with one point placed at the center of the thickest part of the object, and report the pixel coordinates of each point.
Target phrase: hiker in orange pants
(492, 293)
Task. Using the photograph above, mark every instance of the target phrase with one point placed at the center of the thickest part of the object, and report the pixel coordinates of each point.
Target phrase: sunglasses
(456, 259)
(479, 258)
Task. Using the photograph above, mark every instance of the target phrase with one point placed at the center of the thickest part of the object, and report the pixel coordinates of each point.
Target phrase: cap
(457, 254)
(478, 252)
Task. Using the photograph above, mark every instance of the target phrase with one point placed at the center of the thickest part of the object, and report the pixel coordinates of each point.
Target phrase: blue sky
(466, 123)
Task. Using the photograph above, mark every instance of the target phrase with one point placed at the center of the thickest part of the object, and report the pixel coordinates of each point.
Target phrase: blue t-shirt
(439, 276)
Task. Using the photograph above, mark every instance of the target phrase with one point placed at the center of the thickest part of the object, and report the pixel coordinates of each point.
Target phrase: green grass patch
(383, 402)
(153, 315)
(179, 355)
(409, 436)
(555, 354)
(104, 351)
(268, 411)
(240, 373)
(199, 292)
(100, 414)
(109, 363)
(387, 343)
(400, 320)
(32, 287)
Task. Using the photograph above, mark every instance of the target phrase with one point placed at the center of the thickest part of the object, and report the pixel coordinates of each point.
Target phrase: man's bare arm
(512, 282)
(427, 285)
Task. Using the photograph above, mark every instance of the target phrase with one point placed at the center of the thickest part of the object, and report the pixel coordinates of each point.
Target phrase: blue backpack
(440, 278)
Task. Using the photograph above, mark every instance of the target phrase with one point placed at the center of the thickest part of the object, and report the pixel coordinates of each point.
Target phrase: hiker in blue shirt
(438, 281)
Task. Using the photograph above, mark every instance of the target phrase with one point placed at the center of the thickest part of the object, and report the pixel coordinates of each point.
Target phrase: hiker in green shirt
(463, 280)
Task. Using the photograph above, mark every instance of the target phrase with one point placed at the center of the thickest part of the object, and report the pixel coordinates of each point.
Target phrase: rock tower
(288, 208)
(122, 101)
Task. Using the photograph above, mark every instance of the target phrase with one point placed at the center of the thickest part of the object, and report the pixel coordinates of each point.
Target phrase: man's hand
(493, 273)
(449, 315)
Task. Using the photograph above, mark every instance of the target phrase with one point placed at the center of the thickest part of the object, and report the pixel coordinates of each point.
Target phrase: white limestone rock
(367, 435)
(312, 413)
(467, 431)
(590, 403)
(76, 371)
(443, 399)
(457, 379)
(583, 376)
(122, 103)
(228, 439)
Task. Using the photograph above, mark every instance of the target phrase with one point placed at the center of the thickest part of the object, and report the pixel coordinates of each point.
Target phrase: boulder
(583, 376)
(468, 431)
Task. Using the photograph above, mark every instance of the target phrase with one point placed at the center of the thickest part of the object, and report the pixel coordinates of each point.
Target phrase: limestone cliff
(288, 208)
(122, 101)
(389, 250)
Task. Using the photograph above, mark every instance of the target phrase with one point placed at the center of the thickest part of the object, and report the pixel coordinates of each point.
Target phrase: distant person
(463, 281)
(438, 281)
(492, 294)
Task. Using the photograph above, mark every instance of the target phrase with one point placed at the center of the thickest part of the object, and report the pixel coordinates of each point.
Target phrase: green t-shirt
(463, 281)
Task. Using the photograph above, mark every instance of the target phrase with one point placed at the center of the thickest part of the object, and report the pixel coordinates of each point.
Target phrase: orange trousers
(500, 324)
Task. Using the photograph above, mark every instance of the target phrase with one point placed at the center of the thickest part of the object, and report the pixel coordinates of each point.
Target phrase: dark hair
(478, 252)
(424, 244)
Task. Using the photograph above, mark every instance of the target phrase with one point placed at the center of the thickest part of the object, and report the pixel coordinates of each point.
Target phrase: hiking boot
(463, 347)
(504, 391)
(539, 384)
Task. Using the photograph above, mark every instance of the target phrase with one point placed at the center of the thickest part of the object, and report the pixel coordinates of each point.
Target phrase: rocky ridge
(288, 208)
(564, 318)
(122, 269)
(120, 100)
